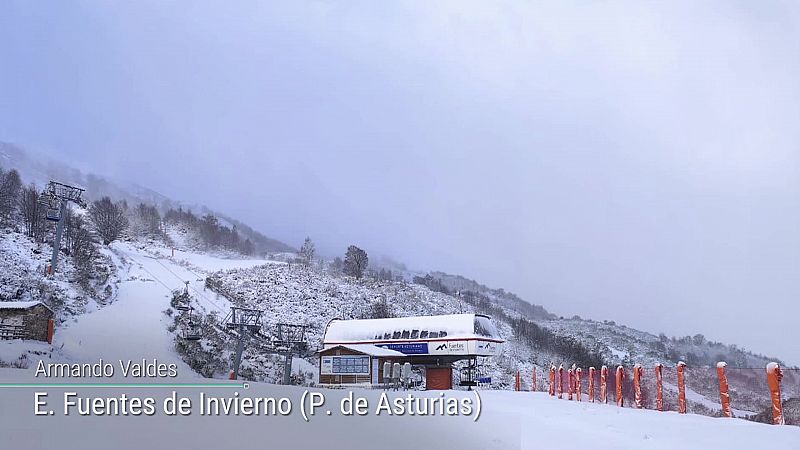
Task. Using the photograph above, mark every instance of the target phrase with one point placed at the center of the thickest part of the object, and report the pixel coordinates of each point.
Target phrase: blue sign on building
(409, 348)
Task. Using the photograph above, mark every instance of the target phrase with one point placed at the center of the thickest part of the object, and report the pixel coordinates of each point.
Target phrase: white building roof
(446, 326)
(21, 305)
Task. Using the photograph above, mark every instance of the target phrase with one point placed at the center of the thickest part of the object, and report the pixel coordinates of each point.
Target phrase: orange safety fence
(725, 391)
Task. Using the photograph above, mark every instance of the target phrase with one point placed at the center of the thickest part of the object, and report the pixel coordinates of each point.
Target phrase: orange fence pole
(774, 377)
(571, 381)
(620, 376)
(591, 383)
(560, 381)
(603, 386)
(533, 379)
(51, 330)
(638, 371)
(681, 388)
(659, 387)
(517, 382)
(552, 387)
(724, 396)
(578, 386)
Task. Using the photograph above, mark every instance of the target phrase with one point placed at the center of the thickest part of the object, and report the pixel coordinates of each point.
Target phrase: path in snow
(134, 326)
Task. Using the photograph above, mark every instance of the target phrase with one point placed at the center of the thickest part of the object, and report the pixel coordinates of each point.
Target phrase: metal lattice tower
(288, 339)
(56, 196)
(289, 336)
(243, 320)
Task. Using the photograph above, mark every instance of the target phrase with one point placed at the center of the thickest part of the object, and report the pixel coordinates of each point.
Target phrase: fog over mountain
(632, 162)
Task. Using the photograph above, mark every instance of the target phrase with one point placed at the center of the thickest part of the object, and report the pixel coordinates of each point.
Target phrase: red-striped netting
(749, 393)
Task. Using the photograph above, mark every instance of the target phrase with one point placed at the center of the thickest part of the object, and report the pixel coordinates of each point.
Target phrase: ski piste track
(134, 326)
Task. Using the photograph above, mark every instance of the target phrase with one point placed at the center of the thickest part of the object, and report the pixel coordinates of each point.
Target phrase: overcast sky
(623, 161)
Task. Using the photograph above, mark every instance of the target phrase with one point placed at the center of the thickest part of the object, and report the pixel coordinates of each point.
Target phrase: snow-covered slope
(22, 267)
(133, 325)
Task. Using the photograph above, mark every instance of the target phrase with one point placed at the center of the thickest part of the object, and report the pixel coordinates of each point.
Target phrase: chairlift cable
(170, 289)
(200, 294)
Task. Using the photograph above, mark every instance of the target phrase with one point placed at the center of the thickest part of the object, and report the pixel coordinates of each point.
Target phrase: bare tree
(32, 212)
(77, 237)
(10, 185)
(355, 261)
(109, 219)
(145, 220)
(337, 265)
(307, 252)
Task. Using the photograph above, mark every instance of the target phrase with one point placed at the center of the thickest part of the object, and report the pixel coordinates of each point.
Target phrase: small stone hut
(26, 320)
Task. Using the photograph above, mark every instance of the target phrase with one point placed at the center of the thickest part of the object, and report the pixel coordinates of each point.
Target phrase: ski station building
(356, 351)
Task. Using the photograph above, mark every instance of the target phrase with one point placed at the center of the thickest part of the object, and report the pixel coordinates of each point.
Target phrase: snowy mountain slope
(297, 294)
(40, 169)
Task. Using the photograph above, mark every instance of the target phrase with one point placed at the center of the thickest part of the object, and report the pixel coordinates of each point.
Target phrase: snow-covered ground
(508, 420)
(134, 326)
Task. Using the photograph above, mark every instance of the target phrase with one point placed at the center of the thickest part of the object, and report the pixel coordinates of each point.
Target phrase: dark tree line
(567, 347)
(210, 231)
(32, 213)
(145, 220)
(526, 331)
(26, 206)
(10, 186)
(433, 283)
(383, 274)
(106, 221)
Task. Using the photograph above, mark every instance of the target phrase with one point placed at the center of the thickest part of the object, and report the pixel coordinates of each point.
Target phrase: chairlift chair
(53, 214)
(192, 333)
(192, 330)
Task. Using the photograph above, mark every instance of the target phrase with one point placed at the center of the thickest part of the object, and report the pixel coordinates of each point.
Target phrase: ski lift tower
(243, 320)
(57, 195)
(288, 339)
